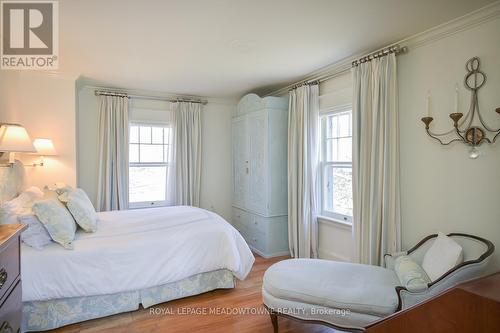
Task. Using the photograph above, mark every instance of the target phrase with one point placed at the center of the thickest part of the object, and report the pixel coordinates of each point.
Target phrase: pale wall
(8, 94)
(216, 157)
(45, 105)
(216, 149)
(441, 188)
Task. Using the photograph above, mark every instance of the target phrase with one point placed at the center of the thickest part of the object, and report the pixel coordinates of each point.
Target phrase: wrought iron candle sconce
(469, 134)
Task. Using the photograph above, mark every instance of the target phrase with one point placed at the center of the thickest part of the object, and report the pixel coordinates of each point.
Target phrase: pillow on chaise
(410, 274)
(442, 256)
(79, 205)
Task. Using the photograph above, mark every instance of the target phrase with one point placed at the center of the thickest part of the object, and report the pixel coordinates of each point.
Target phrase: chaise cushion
(359, 288)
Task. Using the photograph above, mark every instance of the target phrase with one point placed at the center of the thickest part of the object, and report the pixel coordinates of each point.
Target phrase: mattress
(134, 250)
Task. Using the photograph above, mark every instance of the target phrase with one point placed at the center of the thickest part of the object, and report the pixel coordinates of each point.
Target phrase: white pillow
(20, 205)
(79, 205)
(36, 235)
(442, 256)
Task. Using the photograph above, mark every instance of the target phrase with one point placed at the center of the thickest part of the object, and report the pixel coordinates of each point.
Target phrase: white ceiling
(229, 47)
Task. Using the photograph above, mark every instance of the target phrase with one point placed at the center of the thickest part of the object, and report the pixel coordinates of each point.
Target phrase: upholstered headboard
(12, 181)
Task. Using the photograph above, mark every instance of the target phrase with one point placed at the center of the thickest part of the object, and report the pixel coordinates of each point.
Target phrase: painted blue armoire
(259, 136)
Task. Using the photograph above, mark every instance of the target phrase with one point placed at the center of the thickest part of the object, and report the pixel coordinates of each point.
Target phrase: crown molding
(82, 85)
(85, 85)
(465, 22)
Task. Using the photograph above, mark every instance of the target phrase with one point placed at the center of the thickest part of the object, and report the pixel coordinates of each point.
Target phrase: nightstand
(10, 278)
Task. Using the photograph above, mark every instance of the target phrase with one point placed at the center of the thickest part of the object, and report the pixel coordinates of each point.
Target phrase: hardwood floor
(173, 317)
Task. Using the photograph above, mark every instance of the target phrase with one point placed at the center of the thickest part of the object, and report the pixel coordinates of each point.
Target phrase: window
(150, 157)
(336, 165)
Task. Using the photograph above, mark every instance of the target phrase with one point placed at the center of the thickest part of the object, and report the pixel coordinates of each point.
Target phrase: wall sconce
(14, 139)
(471, 135)
(44, 147)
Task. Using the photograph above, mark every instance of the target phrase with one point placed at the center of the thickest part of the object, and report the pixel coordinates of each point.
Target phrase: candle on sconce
(456, 97)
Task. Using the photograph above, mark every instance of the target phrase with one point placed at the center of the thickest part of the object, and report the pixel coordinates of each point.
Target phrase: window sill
(327, 219)
(132, 206)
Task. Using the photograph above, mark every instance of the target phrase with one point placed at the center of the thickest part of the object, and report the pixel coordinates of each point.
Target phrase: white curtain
(112, 187)
(303, 160)
(170, 137)
(188, 153)
(376, 192)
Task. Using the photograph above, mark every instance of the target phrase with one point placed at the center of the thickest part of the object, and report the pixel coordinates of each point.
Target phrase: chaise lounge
(350, 296)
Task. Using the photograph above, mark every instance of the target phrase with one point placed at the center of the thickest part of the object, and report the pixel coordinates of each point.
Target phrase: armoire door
(257, 136)
(240, 162)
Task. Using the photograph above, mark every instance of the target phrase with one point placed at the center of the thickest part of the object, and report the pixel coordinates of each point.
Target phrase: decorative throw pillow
(20, 205)
(442, 256)
(410, 274)
(57, 220)
(81, 208)
(36, 235)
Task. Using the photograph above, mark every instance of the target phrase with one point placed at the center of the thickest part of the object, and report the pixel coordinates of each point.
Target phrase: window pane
(158, 135)
(332, 153)
(134, 134)
(339, 150)
(332, 127)
(344, 150)
(147, 183)
(145, 134)
(338, 190)
(133, 153)
(344, 124)
(151, 153)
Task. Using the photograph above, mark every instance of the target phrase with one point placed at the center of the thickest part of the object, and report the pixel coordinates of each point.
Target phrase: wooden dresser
(10, 278)
(472, 306)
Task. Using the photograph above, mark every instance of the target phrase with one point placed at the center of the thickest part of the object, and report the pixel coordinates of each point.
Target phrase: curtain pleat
(303, 160)
(112, 186)
(376, 188)
(188, 153)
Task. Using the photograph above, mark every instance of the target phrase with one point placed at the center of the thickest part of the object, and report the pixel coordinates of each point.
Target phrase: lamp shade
(44, 147)
(14, 138)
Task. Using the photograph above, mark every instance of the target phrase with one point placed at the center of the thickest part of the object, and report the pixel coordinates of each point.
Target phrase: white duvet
(133, 250)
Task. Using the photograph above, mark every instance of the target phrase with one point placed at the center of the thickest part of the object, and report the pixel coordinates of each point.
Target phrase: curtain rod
(396, 49)
(158, 98)
(300, 84)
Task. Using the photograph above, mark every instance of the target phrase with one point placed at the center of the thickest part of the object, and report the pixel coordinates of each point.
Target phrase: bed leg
(274, 320)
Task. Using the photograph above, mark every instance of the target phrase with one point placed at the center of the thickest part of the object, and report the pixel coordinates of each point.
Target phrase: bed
(143, 256)
(146, 256)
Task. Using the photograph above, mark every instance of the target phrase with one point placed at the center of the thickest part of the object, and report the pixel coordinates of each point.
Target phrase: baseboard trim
(269, 255)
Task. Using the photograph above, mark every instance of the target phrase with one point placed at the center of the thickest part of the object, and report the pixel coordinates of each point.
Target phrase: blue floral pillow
(80, 206)
(57, 220)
